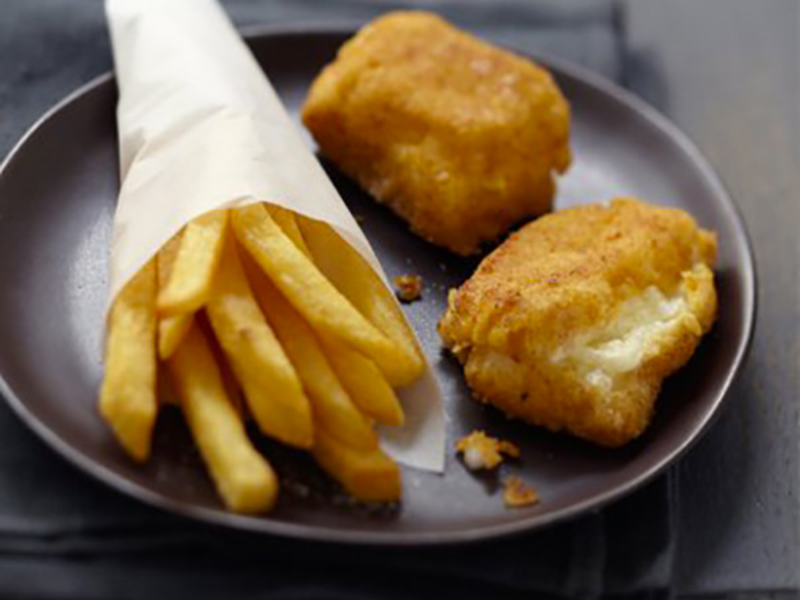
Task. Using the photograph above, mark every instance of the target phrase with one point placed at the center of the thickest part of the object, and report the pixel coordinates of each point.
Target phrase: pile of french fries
(259, 313)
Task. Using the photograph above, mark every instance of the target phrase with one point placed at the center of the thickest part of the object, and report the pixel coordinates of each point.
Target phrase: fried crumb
(409, 287)
(509, 449)
(516, 493)
(359, 218)
(481, 451)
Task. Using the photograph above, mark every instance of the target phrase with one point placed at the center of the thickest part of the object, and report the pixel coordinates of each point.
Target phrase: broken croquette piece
(481, 451)
(458, 137)
(409, 287)
(574, 322)
(516, 493)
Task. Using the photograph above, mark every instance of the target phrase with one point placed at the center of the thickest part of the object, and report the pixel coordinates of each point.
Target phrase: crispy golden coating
(408, 287)
(516, 493)
(574, 322)
(481, 451)
(458, 137)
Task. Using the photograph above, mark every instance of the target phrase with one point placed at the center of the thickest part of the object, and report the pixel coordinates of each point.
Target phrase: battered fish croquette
(575, 321)
(458, 137)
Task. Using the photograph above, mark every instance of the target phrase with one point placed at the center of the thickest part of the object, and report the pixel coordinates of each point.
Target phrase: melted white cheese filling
(620, 346)
(604, 352)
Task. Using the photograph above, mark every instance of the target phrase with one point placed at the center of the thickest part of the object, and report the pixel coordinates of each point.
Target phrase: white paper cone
(201, 128)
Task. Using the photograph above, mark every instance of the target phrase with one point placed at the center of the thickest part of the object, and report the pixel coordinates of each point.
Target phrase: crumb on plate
(517, 493)
(481, 451)
(409, 287)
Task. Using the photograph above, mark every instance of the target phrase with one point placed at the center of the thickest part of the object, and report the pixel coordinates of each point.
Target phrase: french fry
(168, 394)
(332, 407)
(361, 378)
(304, 286)
(285, 219)
(369, 476)
(170, 329)
(356, 280)
(242, 476)
(189, 284)
(229, 381)
(128, 400)
(271, 386)
(364, 382)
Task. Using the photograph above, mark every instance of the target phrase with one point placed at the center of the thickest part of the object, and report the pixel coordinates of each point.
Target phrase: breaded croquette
(574, 322)
(458, 137)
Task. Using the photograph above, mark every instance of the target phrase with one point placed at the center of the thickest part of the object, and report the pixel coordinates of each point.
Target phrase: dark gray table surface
(726, 71)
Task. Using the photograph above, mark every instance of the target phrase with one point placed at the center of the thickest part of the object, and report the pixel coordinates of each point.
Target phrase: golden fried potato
(364, 382)
(194, 265)
(301, 282)
(271, 385)
(356, 280)
(359, 375)
(242, 476)
(128, 400)
(285, 219)
(370, 476)
(332, 407)
(460, 138)
(574, 322)
(170, 329)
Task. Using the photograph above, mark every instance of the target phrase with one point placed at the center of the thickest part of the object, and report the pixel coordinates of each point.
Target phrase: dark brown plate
(57, 194)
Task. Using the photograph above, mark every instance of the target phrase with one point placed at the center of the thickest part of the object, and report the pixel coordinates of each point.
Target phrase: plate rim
(322, 533)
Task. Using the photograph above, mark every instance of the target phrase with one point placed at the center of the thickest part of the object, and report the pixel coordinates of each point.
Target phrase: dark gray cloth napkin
(63, 535)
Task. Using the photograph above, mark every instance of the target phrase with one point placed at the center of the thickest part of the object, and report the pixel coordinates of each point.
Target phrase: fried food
(308, 290)
(128, 400)
(194, 265)
(359, 375)
(357, 282)
(171, 330)
(481, 451)
(575, 321)
(285, 219)
(516, 493)
(364, 382)
(319, 382)
(369, 476)
(243, 477)
(271, 385)
(458, 137)
(332, 407)
(409, 287)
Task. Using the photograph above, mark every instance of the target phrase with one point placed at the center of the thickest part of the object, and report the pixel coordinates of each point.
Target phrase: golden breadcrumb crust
(560, 290)
(458, 137)
(408, 287)
(481, 451)
(516, 493)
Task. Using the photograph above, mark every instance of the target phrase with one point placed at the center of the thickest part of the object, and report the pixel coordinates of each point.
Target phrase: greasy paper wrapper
(201, 128)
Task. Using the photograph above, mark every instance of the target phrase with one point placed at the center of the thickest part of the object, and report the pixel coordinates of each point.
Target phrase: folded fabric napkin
(63, 535)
